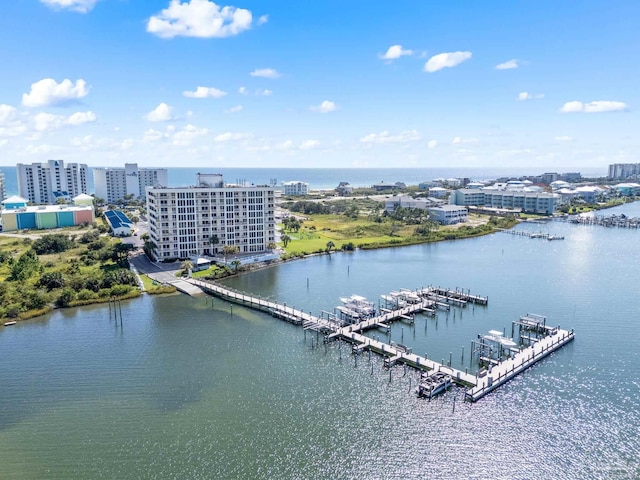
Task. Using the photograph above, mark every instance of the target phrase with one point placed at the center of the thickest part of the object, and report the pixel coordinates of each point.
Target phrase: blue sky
(507, 83)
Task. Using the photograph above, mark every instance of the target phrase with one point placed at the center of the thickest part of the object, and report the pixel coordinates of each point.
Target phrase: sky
(426, 83)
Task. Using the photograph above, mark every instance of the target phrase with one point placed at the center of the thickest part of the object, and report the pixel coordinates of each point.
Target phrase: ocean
(328, 178)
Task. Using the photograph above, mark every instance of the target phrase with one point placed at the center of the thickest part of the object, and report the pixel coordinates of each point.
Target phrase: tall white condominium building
(3, 192)
(194, 221)
(113, 184)
(295, 188)
(44, 182)
(619, 171)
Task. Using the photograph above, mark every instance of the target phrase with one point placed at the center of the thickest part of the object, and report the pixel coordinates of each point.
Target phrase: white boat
(394, 301)
(433, 384)
(410, 296)
(359, 304)
(348, 314)
(496, 336)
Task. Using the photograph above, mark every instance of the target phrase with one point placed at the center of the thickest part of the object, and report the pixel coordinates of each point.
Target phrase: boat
(359, 304)
(497, 336)
(410, 296)
(8, 324)
(555, 237)
(394, 301)
(433, 383)
(348, 314)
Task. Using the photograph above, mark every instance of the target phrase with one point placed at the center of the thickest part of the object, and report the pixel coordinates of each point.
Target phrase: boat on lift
(394, 300)
(498, 337)
(359, 304)
(410, 296)
(348, 314)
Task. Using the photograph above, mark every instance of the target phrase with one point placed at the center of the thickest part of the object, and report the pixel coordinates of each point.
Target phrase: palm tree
(236, 265)
(149, 249)
(230, 250)
(186, 266)
(330, 245)
(285, 240)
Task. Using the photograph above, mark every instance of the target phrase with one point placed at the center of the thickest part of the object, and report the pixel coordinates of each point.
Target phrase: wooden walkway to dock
(477, 385)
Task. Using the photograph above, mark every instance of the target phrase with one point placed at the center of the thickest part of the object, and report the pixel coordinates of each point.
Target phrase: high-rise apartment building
(113, 184)
(194, 221)
(3, 192)
(45, 182)
(619, 171)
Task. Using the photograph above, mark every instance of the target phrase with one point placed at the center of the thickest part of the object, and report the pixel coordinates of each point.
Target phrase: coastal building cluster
(211, 217)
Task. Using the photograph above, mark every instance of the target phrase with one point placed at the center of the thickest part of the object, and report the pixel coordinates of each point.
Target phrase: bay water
(197, 388)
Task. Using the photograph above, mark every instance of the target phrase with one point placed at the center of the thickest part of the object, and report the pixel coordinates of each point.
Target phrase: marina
(543, 235)
(613, 220)
(504, 357)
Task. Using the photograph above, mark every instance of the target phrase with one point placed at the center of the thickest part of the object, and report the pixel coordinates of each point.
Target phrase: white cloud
(79, 118)
(242, 90)
(126, 144)
(286, 145)
(48, 92)
(386, 137)
(265, 73)
(564, 138)
(432, 144)
(162, 113)
(152, 135)
(445, 60)
(47, 122)
(204, 92)
(188, 134)
(264, 93)
(597, 106)
(262, 20)
(460, 140)
(309, 144)
(395, 51)
(231, 136)
(508, 65)
(236, 109)
(81, 6)
(199, 18)
(3, 143)
(8, 114)
(529, 96)
(326, 106)
(40, 149)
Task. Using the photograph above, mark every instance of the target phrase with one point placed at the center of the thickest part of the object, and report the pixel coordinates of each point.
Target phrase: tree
(149, 248)
(230, 250)
(236, 265)
(51, 280)
(26, 265)
(285, 240)
(330, 245)
(214, 240)
(272, 246)
(186, 266)
(54, 243)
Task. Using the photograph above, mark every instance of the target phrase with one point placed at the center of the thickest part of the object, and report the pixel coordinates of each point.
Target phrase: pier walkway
(477, 385)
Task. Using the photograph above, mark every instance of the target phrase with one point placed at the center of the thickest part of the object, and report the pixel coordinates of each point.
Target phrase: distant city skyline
(424, 84)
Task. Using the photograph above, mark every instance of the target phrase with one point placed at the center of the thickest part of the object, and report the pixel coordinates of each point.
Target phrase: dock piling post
(449, 358)
(389, 374)
(462, 353)
(409, 384)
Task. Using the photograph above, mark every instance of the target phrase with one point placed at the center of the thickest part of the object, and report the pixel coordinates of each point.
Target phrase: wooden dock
(478, 385)
(505, 370)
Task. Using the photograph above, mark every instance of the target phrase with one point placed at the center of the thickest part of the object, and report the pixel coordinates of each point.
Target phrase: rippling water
(187, 390)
